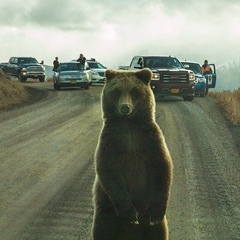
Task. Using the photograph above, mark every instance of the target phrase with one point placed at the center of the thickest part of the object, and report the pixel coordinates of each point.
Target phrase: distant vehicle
(71, 75)
(169, 76)
(97, 69)
(24, 68)
(123, 67)
(2, 65)
(201, 82)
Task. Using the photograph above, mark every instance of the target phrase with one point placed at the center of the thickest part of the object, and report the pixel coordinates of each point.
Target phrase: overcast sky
(113, 31)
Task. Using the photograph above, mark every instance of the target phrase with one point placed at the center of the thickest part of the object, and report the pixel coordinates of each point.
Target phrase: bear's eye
(134, 92)
(115, 94)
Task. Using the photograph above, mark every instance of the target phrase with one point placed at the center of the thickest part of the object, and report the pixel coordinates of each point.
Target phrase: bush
(230, 103)
(11, 91)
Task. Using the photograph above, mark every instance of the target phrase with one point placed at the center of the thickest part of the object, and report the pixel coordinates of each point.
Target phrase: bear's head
(127, 94)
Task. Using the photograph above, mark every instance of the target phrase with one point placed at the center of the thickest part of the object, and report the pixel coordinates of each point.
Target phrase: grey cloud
(11, 14)
(86, 14)
(60, 14)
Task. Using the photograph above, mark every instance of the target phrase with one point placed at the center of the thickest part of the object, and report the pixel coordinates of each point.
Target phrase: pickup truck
(24, 68)
(169, 78)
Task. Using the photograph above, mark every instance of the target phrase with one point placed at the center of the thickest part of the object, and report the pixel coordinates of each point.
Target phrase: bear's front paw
(129, 214)
(155, 214)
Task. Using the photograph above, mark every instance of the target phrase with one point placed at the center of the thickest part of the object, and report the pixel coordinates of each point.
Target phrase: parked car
(24, 68)
(97, 69)
(71, 74)
(169, 76)
(201, 82)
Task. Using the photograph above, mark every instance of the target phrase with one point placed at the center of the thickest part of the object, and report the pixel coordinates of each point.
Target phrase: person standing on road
(81, 60)
(206, 68)
(55, 64)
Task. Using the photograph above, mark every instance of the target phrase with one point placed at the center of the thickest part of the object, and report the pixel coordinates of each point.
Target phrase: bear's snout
(125, 109)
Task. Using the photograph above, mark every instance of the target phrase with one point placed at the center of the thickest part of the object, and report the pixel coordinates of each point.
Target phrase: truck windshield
(27, 60)
(162, 62)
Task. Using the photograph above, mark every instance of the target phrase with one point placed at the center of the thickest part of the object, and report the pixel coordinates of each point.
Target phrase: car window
(70, 67)
(33, 60)
(194, 67)
(27, 60)
(11, 60)
(162, 62)
(96, 65)
(136, 61)
(177, 63)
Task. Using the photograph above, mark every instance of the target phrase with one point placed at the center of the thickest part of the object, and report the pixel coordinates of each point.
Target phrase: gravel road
(46, 174)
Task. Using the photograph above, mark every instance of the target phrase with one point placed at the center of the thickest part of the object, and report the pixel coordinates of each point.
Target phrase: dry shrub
(230, 103)
(11, 91)
(49, 79)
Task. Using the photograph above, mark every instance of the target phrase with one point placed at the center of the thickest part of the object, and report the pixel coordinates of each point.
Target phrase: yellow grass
(49, 79)
(230, 103)
(11, 91)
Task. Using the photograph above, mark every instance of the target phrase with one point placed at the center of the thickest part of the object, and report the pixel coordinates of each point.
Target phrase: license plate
(35, 76)
(174, 90)
(73, 81)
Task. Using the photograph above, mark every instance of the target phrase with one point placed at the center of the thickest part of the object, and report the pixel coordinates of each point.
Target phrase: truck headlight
(24, 69)
(191, 76)
(155, 76)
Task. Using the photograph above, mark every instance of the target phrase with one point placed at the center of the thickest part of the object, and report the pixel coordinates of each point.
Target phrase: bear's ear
(109, 74)
(145, 75)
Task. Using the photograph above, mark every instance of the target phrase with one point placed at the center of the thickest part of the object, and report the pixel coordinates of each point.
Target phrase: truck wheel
(21, 78)
(56, 87)
(41, 79)
(188, 98)
(203, 94)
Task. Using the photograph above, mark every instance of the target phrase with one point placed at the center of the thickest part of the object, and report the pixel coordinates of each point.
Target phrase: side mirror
(42, 62)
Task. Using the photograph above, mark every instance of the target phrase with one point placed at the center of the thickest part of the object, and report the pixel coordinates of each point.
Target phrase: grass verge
(230, 103)
(11, 92)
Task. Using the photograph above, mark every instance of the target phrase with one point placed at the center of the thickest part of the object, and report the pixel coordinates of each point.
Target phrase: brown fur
(132, 162)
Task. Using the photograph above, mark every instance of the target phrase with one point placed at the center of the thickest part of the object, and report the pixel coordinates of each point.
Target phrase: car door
(88, 71)
(212, 77)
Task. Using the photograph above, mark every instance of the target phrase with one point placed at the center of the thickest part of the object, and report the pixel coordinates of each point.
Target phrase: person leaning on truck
(81, 60)
(55, 64)
(206, 68)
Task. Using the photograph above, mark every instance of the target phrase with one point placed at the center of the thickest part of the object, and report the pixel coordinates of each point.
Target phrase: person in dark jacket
(206, 68)
(56, 64)
(81, 60)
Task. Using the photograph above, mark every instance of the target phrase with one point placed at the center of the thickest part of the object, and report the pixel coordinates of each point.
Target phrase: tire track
(69, 214)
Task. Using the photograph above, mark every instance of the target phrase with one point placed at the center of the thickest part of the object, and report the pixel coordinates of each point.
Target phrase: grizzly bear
(132, 162)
